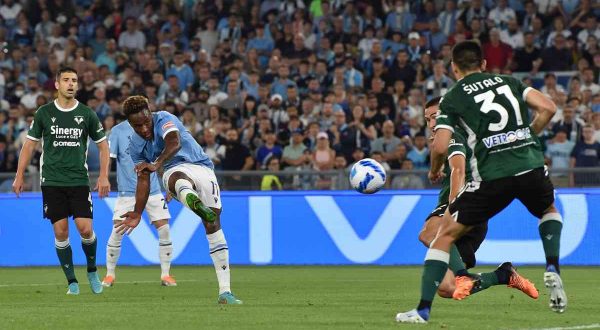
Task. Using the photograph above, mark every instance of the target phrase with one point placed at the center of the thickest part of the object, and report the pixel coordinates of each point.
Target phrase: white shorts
(156, 207)
(204, 179)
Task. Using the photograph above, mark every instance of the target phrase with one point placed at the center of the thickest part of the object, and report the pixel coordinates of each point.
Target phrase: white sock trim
(550, 217)
(181, 185)
(435, 254)
(90, 240)
(61, 244)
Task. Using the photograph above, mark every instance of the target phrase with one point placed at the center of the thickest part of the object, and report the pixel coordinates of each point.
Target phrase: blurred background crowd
(294, 86)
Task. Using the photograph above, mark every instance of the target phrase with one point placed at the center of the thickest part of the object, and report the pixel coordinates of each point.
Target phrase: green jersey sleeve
(36, 128)
(456, 147)
(447, 116)
(95, 128)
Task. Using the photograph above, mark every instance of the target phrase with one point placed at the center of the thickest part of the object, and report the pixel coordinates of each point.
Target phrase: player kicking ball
(156, 207)
(162, 143)
(462, 253)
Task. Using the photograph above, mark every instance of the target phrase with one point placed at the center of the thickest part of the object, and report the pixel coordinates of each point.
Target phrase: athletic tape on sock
(61, 244)
(435, 254)
(550, 217)
(89, 240)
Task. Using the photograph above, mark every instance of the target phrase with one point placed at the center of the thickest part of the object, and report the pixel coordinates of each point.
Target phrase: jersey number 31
(489, 105)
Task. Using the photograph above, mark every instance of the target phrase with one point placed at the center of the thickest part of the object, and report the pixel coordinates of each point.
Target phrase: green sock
(550, 228)
(456, 265)
(436, 265)
(89, 248)
(65, 256)
(487, 280)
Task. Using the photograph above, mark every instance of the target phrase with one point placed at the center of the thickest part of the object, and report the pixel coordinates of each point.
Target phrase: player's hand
(103, 186)
(141, 167)
(17, 185)
(132, 219)
(168, 197)
(435, 177)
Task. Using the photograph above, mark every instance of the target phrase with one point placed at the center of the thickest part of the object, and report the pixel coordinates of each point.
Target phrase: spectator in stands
(496, 53)
(235, 157)
(132, 39)
(271, 181)
(268, 150)
(526, 56)
(558, 154)
(570, 124)
(293, 154)
(501, 14)
(586, 153)
(387, 143)
(407, 180)
(550, 87)
(512, 35)
(419, 153)
(557, 57)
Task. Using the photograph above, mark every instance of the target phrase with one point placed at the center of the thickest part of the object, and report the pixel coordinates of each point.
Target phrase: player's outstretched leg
(113, 252)
(505, 274)
(189, 198)
(165, 252)
(550, 228)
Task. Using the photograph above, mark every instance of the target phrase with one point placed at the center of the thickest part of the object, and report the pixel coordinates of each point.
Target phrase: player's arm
(439, 149)
(457, 164)
(543, 107)
(103, 184)
(132, 218)
(24, 159)
(172, 146)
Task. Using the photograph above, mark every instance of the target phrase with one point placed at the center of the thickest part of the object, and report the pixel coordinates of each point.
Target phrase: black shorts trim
(63, 202)
(438, 211)
(480, 201)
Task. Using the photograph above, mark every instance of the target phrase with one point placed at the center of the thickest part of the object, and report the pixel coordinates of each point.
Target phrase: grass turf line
(281, 297)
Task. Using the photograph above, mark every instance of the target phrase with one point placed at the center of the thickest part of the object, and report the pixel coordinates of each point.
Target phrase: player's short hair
(134, 104)
(467, 55)
(64, 69)
(434, 101)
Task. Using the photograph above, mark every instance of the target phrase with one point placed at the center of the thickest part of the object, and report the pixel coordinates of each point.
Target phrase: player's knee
(177, 176)
(551, 209)
(425, 237)
(159, 223)
(61, 235)
(86, 232)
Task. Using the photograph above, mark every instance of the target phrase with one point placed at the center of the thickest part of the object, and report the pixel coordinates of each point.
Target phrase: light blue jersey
(118, 142)
(148, 151)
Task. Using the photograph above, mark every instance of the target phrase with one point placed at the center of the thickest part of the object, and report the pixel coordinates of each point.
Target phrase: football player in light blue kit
(156, 207)
(162, 143)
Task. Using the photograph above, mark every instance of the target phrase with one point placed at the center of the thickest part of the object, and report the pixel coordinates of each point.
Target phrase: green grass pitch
(354, 297)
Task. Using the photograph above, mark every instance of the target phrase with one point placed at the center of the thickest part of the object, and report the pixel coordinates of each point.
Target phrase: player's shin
(165, 249)
(65, 256)
(183, 188)
(436, 265)
(456, 264)
(113, 252)
(89, 246)
(550, 227)
(219, 253)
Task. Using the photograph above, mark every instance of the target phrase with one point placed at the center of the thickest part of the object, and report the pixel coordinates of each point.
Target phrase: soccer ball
(367, 176)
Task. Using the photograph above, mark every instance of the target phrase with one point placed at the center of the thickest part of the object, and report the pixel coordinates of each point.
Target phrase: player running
(64, 126)
(462, 253)
(161, 141)
(156, 207)
(507, 163)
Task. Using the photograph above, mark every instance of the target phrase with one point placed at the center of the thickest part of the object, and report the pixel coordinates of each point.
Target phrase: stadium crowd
(292, 84)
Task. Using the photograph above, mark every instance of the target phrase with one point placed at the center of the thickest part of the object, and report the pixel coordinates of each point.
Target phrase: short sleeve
(447, 117)
(113, 144)
(36, 128)
(456, 148)
(166, 124)
(95, 128)
(522, 89)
